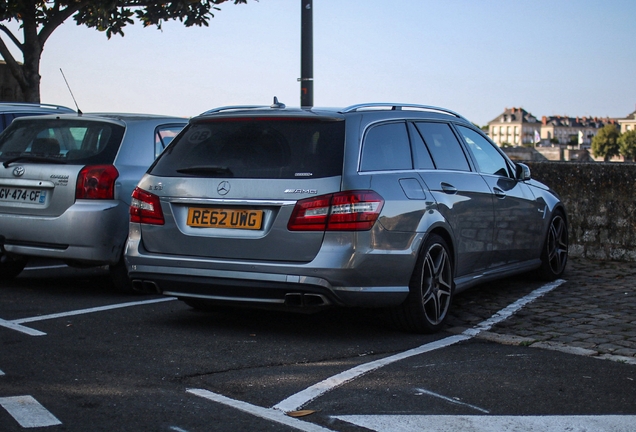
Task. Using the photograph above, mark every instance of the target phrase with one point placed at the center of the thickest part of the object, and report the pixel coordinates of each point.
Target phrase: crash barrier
(600, 199)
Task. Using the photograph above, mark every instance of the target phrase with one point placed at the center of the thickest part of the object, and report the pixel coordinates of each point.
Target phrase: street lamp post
(306, 54)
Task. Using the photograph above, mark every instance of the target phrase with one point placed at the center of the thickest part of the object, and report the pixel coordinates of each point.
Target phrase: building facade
(628, 123)
(514, 127)
(571, 131)
(517, 127)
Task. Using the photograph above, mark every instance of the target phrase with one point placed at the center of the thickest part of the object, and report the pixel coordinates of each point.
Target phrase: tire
(120, 279)
(554, 256)
(430, 290)
(11, 267)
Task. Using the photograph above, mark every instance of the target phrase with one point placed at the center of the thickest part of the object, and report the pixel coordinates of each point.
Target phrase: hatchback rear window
(274, 148)
(63, 140)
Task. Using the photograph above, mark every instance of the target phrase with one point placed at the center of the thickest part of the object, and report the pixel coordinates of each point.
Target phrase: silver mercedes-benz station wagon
(65, 186)
(377, 205)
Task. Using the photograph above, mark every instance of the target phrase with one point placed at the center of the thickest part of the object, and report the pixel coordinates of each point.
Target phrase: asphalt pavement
(593, 313)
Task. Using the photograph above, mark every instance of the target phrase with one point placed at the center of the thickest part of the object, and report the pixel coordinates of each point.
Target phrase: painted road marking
(421, 391)
(16, 324)
(46, 267)
(296, 401)
(303, 397)
(265, 413)
(476, 423)
(28, 412)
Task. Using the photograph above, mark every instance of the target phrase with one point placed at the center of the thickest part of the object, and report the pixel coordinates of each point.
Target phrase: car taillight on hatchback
(342, 211)
(96, 182)
(145, 208)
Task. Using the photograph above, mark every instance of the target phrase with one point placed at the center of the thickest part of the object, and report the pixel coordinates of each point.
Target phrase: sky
(476, 57)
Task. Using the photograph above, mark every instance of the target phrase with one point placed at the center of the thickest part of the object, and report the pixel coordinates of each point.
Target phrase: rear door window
(274, 148)
(443, 146)
(386, 147)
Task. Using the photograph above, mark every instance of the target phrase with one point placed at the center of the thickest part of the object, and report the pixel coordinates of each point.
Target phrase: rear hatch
(228, 186)
(42, 159)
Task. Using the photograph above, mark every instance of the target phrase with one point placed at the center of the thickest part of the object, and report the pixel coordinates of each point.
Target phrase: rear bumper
(339, 275)
(89, 232)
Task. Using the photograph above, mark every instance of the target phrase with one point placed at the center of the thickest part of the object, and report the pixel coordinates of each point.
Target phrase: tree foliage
(38, 19)
(627, 145)
(605, 143)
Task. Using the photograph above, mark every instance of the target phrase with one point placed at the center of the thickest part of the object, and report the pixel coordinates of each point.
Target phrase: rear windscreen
(274, 148)
(63, 140)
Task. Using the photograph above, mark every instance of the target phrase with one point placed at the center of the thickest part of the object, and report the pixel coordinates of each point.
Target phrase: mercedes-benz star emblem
(223, 188)
(18, 171)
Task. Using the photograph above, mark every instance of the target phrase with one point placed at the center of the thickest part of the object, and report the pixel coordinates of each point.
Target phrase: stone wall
(600, 199)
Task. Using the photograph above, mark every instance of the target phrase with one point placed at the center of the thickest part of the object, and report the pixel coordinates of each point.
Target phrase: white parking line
(265, 413)
(451, 400)
(16, 324)
(477, 423)
(303, 397)
(28, 412)
(296, 401)
(46, 267)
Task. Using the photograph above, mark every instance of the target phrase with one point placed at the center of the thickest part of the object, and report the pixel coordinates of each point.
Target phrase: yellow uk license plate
(225, 218)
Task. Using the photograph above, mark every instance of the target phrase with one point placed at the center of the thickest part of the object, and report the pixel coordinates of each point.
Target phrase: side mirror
(523, 172)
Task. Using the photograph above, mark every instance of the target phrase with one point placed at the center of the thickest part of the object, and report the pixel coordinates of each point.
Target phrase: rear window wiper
(207, 169)
(33, 159)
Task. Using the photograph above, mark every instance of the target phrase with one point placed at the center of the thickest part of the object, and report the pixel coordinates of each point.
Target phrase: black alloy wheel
(554, 257)
(431, 290)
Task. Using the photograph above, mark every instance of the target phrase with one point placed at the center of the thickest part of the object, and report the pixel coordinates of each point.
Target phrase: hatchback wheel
(554, 256)
(11, 267)
(431, 290)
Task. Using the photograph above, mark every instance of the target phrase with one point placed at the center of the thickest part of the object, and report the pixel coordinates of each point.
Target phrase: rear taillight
(145, 208)
(343, 211)
(96, 182)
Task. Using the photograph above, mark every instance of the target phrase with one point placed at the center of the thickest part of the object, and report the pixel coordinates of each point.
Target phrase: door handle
(498, 192)
(448, 188)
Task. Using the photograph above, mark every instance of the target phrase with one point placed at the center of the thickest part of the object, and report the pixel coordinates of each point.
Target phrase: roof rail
(36, 104)
(234, 108)
(398, 107)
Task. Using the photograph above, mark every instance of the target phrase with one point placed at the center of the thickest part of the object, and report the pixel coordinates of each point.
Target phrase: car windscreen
(69, 141)
(273, 148)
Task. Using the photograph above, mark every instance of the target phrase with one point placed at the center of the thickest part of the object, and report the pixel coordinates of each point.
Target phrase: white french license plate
(23, 195)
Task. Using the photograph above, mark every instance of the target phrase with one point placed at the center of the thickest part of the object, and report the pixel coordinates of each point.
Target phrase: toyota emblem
(223, 188)
(18, 171)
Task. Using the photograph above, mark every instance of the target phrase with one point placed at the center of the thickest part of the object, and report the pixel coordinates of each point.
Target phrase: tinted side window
(386, 147)
(421, 156)
(489, 160)
(441, 142)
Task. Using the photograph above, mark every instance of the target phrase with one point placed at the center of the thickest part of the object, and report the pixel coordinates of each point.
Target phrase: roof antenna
(79, 111)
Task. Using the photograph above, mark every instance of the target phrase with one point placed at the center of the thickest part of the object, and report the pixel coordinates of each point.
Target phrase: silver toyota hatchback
(65, 186)
(377, 205)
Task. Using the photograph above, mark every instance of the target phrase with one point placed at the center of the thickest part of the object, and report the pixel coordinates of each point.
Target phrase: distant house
(571, 131)
(515, 126)
(628, 123)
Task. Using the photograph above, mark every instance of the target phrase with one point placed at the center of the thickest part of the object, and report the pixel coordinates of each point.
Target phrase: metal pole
(306, 54)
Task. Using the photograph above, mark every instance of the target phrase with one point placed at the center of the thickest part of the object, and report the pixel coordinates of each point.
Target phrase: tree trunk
(32, 52)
